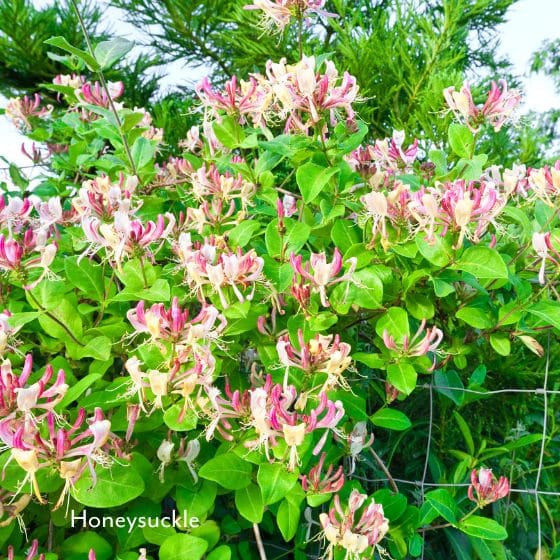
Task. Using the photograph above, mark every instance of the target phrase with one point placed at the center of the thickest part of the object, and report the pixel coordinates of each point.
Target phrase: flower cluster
(497, 109)
(28, 243)
(317, 275)
(318, 483)
(374, 162)
(486, 487)
(322, 354)
(21, 109)
(275, 412)
(207, 264)
(342, 528)
(297, 95)
(279, 13)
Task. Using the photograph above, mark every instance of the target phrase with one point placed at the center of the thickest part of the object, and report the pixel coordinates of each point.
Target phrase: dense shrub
(287, 332)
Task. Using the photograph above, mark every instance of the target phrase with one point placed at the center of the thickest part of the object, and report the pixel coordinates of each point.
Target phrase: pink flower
(173, 324)
(545, 183)
(323, 353)
(17, 397)
(321, 274)
(342, 529)
(95, 94)
(498, 107)
(542, 245)
(20, 110)
(486, 487)
(278, 13)
(416, 346)
(317, 483)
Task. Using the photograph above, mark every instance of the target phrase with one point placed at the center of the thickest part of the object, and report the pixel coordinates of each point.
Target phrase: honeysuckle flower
(204, 265)
(321, 274)
(463, 204)
(342, 529)
(102, 198)
(248, 100)
(486, 487)
(318, 483)
(32, 552)
(164, 454)
(95, 94)
(390, 155)
(294, 426)
(358, 440)
(545, 183)
(187, 453)
(7, 335)
(542, 245)
(11, 509)
(278, 13)
(126, 237)
(423, 341)
(497, 109)
(15, 213)
(17, 397)
(192, 142)
(173, 324)
(20, 110)
(209, 182)
(34, 154)
(323, 354)
(391, 392)
(74, 81)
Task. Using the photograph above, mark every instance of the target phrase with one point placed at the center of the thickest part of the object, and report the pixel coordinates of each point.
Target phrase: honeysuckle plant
(238, 330)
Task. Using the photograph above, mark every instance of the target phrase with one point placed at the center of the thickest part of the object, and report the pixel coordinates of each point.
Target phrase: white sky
(529, 23)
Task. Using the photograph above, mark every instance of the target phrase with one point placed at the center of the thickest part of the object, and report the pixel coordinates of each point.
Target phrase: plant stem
(382, 466)
(258, 538)
(106, 89)
(54, 318)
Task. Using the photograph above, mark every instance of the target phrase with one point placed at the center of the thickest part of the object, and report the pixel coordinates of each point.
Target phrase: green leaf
(476, 317)
(294, 238)
(501, 343)
(288, 519)
(366, 289)
(275, 482)
(547, 311)
(109, 52)
(85, 57)
(312, 179)
(280, 275)
(344, 234)
(76, 389)
(79, 545)
(483, 528)
(249, 503)
(228, 470)
(222, 552)
(443, 503)
(438, 252)
(182, 547)
(142, 152)
(461, 140)
(243, 232)
(199, 502)
(354, 405)
(402, 376)
(391, 419)
(483, 263)
(188, 420)
(229, 132)
(395, 322)
(86, 276)
(98, 348)
(115, 486)
(465, 430)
